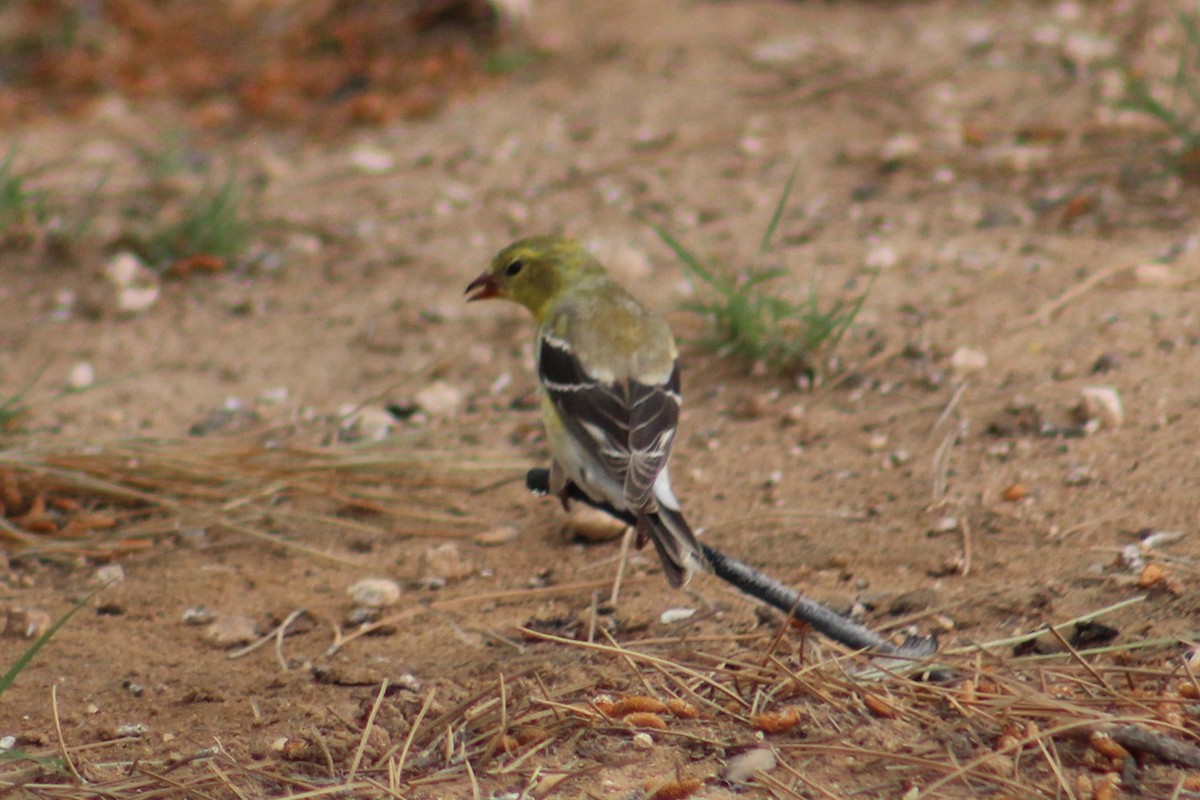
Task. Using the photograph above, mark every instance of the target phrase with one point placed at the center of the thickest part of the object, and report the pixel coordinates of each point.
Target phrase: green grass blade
(686, 256)
(22, 662)
(769, 233)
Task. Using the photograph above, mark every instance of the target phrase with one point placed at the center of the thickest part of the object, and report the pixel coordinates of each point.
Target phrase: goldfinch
(609, 380)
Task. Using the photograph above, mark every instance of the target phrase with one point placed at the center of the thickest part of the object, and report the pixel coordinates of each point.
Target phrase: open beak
(484, 286)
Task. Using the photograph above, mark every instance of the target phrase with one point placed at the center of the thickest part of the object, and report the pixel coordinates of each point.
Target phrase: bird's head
(534, 272)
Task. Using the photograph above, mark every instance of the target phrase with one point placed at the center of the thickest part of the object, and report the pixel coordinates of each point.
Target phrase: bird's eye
(514, 268)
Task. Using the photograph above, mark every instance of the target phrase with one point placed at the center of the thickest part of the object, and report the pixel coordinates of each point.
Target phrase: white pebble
(439, 399)
(124, 268)
(372, 424)
(882, 257)
(1103, 403)
(136, 299)
(1153, 274)
(899, 147)
(375, 592)
(372, 160)
(231, 629)
(81, 376)
(673, 615)
(109, 573)
(446, 561)
(744, 766)
(944, 525)
(497, 536)
(966, 360)
(643, 741)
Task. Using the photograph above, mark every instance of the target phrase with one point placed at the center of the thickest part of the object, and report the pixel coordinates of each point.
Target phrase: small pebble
(375, 592)
(967, 360)
(132, 729)
(439, 399)
(643, 741)
(446, 561)
(1153, 275)
(744, 766)
(372, 160)
(136, 287)
(1102, 403)
(109, 573)
(900, 147)
(497, 536)
(371, 424)
(1015, 492)
(81, 376)
(881, 258)
(230, 630)
(944, 525)
(24, 623)
(673, 615)
(197, 615)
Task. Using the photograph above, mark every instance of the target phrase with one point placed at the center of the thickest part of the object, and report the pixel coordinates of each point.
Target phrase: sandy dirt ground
(1026, 244)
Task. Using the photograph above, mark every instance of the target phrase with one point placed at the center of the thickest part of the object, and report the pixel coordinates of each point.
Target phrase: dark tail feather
(677, 547)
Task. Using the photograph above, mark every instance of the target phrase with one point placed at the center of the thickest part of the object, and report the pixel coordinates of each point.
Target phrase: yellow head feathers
(534, 272)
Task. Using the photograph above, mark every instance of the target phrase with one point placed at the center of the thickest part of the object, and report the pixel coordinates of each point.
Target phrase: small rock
(590, 525)
(877, 442)
(369, 423)
(673, 615)
(900, 147)
(81, 376)
(136, 288)
(231, 629)
(881, 258)
(943, 525)
(647, 139)
(446, 561)
(744, 766)
(1153, 275)
(132, 729)
(372, 160)
(24, 623)
(643, 741)
(1014, 493)
(109, 573)
(375, 592)
(198, 615)
(497, 536)
(1102, 403)
(966, 360)
(439, 399)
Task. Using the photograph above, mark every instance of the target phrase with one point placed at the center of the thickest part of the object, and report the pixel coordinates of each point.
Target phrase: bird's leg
(560, 486)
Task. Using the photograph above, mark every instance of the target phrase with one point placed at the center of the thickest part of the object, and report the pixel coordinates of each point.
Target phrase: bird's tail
(677, 547)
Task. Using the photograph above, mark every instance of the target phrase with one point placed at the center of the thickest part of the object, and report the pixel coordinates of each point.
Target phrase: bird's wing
(624, 424)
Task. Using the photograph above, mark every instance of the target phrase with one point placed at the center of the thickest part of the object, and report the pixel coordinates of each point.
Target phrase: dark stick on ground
(754, 583)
